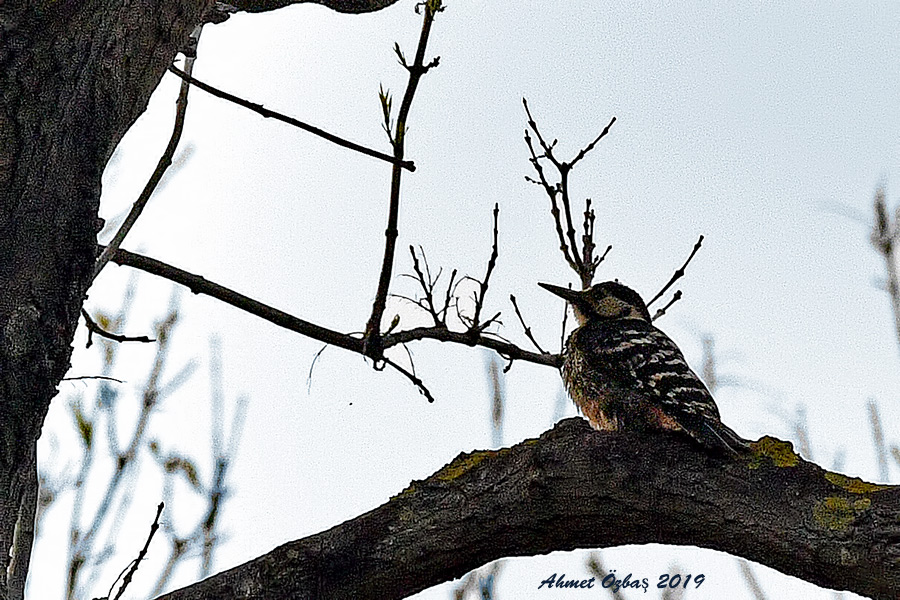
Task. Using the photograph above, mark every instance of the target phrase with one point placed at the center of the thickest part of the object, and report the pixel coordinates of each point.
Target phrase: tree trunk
(74, 76)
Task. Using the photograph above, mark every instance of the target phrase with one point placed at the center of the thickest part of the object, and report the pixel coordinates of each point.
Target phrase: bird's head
(603, 302)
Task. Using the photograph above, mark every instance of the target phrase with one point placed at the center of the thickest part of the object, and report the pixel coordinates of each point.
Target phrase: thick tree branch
(344, 6)
(577, 488)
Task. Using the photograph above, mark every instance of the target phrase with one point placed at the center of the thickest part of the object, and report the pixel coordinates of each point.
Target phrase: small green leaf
(85, 427)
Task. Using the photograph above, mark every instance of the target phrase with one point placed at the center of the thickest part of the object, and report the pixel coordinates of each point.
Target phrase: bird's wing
(640, 357)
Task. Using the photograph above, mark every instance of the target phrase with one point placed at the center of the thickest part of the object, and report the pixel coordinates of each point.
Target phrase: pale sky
(765, 128)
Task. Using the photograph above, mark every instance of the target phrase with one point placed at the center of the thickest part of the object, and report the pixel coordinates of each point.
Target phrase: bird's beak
(564, 293)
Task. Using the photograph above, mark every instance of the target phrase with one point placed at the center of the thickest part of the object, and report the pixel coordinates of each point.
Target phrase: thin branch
(483, 284)
(372, 345)
(84, 377)
(137, 561)
(679, 273)
(527, 329)
(200, 285)
(675, 298)
(165, 161)
(427, 285)
(412, 377)
(562, 188)
(595, 566)
(94, 328)
(271, 114)
(590, 146)
(552, 192)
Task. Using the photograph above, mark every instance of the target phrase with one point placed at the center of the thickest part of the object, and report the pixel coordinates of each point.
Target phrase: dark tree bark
(74, 76)
(576, 488)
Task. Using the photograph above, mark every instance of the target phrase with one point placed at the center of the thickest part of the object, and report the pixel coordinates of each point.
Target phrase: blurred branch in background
(113, 469)
(482, 582)
(884, 238)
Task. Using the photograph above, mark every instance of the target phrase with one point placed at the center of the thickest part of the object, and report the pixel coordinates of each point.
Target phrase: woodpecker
(625, 374)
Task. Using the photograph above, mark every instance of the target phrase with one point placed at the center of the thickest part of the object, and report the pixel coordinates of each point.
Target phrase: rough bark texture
(576, 488)
(74, 76)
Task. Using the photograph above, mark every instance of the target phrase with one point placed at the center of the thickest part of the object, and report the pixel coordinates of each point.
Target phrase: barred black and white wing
(646, 370)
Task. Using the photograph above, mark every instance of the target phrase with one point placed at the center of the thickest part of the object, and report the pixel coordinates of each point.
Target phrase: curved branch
(577, 488)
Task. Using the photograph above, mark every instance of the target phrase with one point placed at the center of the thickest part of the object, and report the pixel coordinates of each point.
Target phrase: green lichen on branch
(836, 513)
(780, 453)
(854, 485)
(462, 464)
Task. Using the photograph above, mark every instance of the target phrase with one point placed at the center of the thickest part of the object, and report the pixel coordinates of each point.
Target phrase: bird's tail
(718, 436)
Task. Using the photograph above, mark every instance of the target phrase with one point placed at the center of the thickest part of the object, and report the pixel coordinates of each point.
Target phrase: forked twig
(93, 328)
(582, 262)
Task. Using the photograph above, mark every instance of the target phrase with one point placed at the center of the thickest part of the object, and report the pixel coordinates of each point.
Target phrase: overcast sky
(764, 128)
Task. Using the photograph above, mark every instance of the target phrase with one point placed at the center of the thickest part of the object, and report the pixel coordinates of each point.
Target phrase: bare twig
(412, 377)
(552, 192)
(165, 161)
(271, 114)
(476, 326)
(85, 377)
(679, 273)
(675, 298)
(427, 285)
(372, 342)
(561, 188)
(590, 146)
(583, 263)
(527, 329)
(94, 328)
(137, 561)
